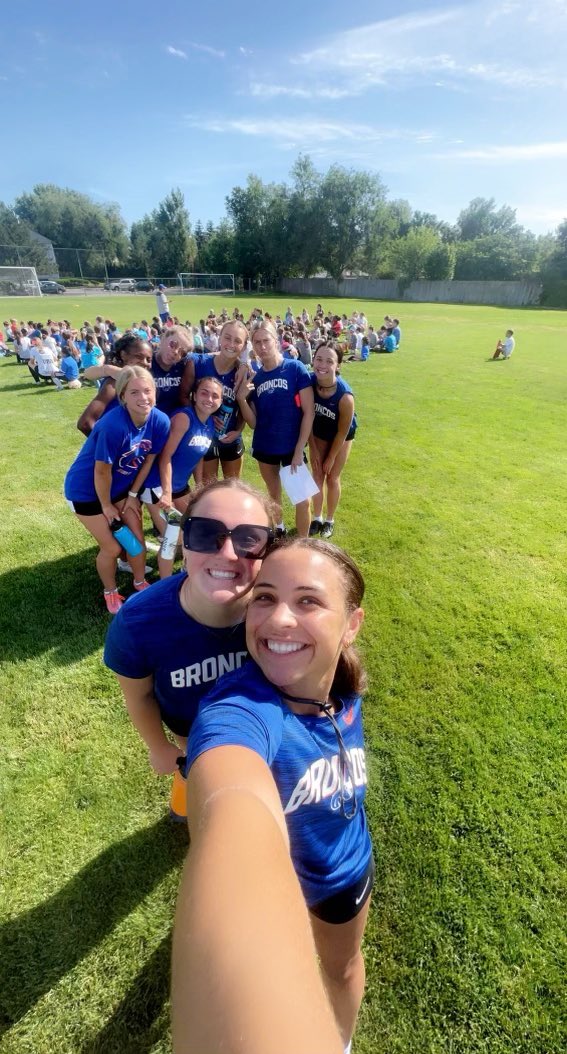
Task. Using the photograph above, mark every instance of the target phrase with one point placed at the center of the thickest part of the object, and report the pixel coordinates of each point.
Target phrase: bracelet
(132, 493)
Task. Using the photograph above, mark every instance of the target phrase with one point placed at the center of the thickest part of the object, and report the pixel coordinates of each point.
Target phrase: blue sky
(448, 102)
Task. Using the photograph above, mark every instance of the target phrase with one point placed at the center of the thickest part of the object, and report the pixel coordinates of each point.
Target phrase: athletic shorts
(150, 495)
(178, 725)
(92, 508)
(275, 459)
(181, 493)
(225, 451)
(344, 906)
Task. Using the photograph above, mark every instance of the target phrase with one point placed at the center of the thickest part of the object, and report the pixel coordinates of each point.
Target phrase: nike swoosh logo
(366, 885)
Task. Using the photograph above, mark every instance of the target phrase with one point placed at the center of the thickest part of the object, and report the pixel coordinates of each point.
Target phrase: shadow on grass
(42, 945)
(134, 1027)
(55, 606)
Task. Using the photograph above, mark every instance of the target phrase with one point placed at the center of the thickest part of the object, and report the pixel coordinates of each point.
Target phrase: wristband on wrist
(132, 493)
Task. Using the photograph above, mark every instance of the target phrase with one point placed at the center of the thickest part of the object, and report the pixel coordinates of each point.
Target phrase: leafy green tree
(497, 257)
(348, 203)
(17, 246)
(74, 220)
(409, 256)
(162, 243)
(217, 253)
(304, 244)
(481, 218)
(440, 264)
(260, 216)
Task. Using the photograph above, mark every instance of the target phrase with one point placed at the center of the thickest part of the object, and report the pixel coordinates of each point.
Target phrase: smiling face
(325, 363)
(208, 397)
(139, 397)
(233, 340)
(298, 622)
(174, 346)
(222, 578)
(139, 354)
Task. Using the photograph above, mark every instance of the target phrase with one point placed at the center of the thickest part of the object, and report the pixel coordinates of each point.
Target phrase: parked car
(143, 285)
(121, 285)
(47, 286)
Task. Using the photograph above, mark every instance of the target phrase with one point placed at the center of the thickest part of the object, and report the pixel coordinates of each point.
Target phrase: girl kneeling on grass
(105, 477)
(288, 726)
(169, 646)
(330, 442)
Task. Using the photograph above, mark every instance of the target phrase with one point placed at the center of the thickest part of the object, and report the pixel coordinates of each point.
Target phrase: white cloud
(272, 91)
(245, 51)
(529, 214)
(519, 152)
(176, 52)
(215, 52)
(296, 131)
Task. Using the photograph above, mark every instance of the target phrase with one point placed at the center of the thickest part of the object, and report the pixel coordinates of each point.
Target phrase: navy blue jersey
(329, 852)
(152, 636)
(326, 421)
(117, 441)
(205, 367)
(168, 384)
(115, 401)
(278, 407)
(192, 448)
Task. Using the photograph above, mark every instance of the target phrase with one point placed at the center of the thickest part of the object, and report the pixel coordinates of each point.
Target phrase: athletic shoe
(315, 527)
(113, 601)
(327, 529)
(178, 799)
(123, 565)
(140, 586)
(281, 532)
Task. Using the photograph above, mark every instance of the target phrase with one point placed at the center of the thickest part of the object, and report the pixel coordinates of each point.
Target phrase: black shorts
(344, 906)
(178, 725)
(181, 493)
(93, 508)
(275, 459)
(225, 451)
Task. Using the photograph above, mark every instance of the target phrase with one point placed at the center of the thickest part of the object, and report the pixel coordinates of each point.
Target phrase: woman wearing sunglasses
(167, 654)
(290, 720)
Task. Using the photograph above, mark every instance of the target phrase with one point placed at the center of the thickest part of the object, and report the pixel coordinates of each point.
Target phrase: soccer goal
(19, 281)
(193, 282)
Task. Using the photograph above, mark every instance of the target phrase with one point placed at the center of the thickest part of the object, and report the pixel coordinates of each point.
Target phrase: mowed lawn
(454, 505)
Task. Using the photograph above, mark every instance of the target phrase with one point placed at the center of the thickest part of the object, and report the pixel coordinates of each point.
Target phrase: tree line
(333, 222)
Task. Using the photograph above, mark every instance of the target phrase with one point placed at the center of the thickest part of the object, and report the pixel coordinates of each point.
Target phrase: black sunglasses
(202, 535)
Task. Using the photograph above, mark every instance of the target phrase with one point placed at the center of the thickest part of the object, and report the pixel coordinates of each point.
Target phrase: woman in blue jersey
(330, 442)
(102, 483)
(129, 350)
(169, 650)
(292, 717)
(280, 410)
(227, 446)
(191, 434)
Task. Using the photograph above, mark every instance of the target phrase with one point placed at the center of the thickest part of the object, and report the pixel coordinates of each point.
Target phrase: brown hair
(200, 381)
(229, 484)
(350, 675)
(332, 345)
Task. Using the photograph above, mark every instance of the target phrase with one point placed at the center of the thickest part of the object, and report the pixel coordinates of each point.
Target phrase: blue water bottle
(223, 416)
(126, 538)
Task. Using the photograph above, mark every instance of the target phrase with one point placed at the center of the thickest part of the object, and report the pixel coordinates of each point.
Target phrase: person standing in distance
(162, 303)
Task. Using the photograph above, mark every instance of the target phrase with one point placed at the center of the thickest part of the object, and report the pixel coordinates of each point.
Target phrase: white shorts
(150, 495)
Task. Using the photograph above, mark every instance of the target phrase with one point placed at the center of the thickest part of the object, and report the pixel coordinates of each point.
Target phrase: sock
(331, 521)
(348, 1047)
(280, 526)
(139, 583)
(318, 519)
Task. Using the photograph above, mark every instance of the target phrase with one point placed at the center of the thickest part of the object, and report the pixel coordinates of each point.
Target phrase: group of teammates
(284, 727)
(160, 417)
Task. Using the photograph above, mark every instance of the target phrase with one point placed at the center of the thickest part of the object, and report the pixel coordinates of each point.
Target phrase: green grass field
(454, 505)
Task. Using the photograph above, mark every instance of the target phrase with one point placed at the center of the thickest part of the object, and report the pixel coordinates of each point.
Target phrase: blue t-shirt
(329, 852)
(70, 368)
(192, 448)
(278, 407)
(167, 384)
(205, 367)
(154, 636)
(115, 401)
(117, 441)
(390, 343)
(326, 423)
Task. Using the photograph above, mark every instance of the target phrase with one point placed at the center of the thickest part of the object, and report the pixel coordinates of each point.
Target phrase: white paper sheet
(298, 485)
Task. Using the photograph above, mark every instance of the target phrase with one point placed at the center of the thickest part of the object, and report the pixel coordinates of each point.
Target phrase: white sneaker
(124, 566)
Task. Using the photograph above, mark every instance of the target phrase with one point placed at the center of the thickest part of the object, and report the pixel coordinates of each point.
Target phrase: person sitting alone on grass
(505, 347)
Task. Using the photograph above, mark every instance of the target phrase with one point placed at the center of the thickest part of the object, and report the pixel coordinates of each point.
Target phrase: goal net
(193, 282)
(19, 281)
